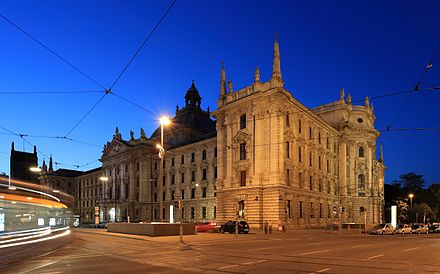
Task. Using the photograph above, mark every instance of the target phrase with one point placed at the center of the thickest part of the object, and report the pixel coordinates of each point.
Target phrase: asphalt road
(310, 251)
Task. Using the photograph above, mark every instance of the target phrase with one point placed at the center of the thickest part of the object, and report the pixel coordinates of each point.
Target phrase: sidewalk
(209, 236)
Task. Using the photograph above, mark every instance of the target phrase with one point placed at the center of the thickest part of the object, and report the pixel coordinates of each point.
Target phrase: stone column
(342, 168)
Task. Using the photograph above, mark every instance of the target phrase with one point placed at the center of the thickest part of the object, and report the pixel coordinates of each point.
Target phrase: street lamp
(105, 179)
(411, 196)
(164, 121)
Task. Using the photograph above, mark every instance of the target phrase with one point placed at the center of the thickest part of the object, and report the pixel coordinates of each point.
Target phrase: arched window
(361, 185)
(361, 152)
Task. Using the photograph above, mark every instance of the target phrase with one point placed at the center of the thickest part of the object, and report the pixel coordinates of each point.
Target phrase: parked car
(434, 228)
(403, 228)
(382, 229)
(419, 228)
(243, 227)
(207, 227)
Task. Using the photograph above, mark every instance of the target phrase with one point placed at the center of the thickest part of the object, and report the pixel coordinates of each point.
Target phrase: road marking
(314, 252)
(356, 246)
(228, 266)
(409, 249)
(376, 256)
(248, 263)
(40, 266)
(323, 270)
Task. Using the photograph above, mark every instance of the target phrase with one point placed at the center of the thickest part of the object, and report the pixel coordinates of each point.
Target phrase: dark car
(434, 228)
(243, 227)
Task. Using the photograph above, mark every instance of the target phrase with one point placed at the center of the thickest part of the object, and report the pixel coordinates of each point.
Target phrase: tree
(411, 182)
(420, 213)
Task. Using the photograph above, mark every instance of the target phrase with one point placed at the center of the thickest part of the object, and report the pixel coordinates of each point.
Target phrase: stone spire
(50, 164)
(230, 90)
(276, 69)
(349, 99)
(257, 75)
(342, 94)
(192, 97)
(35, 150)
(12, 148)
(117, 134)
(44, 167)
(381, 154)
(223, 81)
(367, 101)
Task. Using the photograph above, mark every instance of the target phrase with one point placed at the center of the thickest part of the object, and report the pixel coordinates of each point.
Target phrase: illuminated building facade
(266, 158)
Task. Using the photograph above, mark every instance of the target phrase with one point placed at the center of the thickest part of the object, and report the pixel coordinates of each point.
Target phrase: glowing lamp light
(103, 178)
(35, 169)
(165, 120)
(12, 188)
(29, 198)
(158, 146)
(56, 191)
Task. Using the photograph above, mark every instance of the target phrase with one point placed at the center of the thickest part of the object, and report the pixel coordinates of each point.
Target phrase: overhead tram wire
(143, 44)
(415, 89)
(133, 103)
(48, 92)
(52, 51)
(85, 115)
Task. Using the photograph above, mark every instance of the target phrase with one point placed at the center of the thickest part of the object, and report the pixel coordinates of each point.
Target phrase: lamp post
(164, 121)
(104, 179)
(411, 196)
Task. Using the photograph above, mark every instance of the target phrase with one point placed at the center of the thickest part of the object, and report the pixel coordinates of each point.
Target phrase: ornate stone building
(280, 161)
(267, 157)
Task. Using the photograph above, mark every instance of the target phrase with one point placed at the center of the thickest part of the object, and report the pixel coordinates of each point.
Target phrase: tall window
(310, 133)
(215, 172)
(183, 194)
(243, 151)
(215, 152)
(287, 120)
(311, 182)
(300, 179)
(320, 184)
(182, 178)
(193, 156)
(320, 210)
(300, 209)
(310, 158)
(243, 121)
(172, 179)
(183, 159)
(319, 162)
(172, 161)
(289, 210)
(203, 212)
(361, 152)
(243, 178)
(193, 176)
(288, 149)
(288, 176)
(299, 126)
(204, 174)
(193, 212)
(361, 185)
(299, 154)
(193, 193)
(204, 154)
(319, 137)
(204, 192)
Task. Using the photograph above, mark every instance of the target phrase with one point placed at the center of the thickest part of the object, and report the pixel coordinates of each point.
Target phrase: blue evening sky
(368, 47)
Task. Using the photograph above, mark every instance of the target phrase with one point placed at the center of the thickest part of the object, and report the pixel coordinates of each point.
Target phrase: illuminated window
(361, 185)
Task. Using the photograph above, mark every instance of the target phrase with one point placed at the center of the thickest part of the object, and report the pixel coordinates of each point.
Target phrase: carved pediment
(239, 138)
(114, 148)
